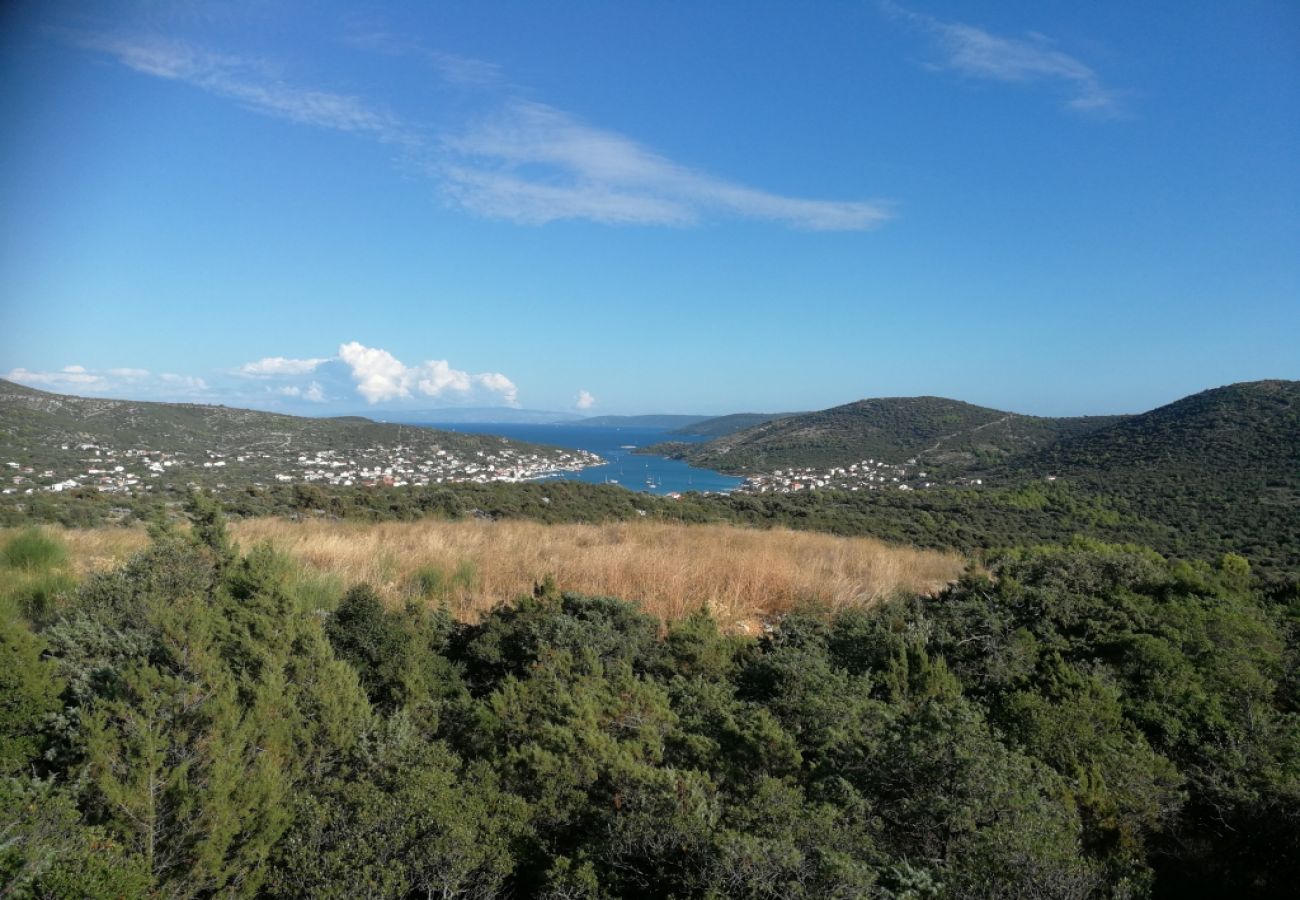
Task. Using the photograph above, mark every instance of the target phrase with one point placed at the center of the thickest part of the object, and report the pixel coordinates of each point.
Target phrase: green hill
(939, 432)
(1224, 462)
(1252, 426)
(724, 425)
(667, 420)
(185, 443)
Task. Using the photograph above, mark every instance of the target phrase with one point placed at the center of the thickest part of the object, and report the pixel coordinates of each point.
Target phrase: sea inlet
(652, 474)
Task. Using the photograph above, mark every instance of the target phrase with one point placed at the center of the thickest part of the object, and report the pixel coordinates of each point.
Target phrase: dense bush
(1087, 721)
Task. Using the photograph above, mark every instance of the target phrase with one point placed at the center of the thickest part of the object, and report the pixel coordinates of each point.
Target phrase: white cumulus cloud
(586, 400)
(495, 381)
(380, 376)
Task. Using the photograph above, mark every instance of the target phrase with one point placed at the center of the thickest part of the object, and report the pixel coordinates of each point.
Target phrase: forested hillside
(936, 431)
(1221, 463)
(724, 425)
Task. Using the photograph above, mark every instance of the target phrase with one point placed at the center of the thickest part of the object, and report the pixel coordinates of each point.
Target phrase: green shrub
(318, 592)
(33, 549)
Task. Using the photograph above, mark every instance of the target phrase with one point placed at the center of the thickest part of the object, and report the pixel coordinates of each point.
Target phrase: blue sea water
(652, 474)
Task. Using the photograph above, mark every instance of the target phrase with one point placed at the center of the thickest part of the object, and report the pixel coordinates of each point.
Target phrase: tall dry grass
(744, 576)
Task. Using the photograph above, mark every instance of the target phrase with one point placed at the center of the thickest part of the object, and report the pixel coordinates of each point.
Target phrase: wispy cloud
(312, 393)
(188, 384)
(251, 83)
(278, 365)
(452, 68)
(68, 377)
(534, 163)
(525, 162)
(380, 376)
(977, 53)
(75, 379)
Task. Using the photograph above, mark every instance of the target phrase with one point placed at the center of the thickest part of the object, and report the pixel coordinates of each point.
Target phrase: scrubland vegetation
(742, 576)
(1088, 720)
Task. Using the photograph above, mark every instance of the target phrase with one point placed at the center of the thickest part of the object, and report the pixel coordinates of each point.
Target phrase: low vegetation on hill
(1086, 721)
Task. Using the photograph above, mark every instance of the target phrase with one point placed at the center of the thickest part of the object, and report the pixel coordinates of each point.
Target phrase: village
(867, 475)
(137, 470)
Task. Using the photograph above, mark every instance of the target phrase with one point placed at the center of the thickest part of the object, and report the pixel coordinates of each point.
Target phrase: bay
(649, 474)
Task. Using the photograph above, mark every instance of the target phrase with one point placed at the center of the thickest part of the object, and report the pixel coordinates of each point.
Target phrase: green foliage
(209, 526)
(48, 851)
(518, 636)
(1087, 720)
(29, 695)
(32, 549)
(1154, 688)
(401, 818)
(375, 643)
(34, 576)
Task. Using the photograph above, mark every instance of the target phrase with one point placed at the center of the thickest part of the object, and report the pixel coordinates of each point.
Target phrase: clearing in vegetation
(744, 576)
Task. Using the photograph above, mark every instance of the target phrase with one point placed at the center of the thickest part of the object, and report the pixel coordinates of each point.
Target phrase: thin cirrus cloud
(250, 83)
(977, 53)
(78, 379)
(526, 162)
(591, 173)
(68, 377)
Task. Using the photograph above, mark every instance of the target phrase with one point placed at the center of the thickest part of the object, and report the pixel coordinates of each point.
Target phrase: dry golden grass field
(743, 575)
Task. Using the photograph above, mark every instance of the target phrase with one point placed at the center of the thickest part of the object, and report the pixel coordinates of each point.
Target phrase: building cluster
(92, 466)
(135, 470)
(867, 475)
(400, 466)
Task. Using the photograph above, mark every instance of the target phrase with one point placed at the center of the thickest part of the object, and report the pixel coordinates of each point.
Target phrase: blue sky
(658, 207)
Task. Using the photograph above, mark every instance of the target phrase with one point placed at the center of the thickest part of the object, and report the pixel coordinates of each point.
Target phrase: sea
(649, 474)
